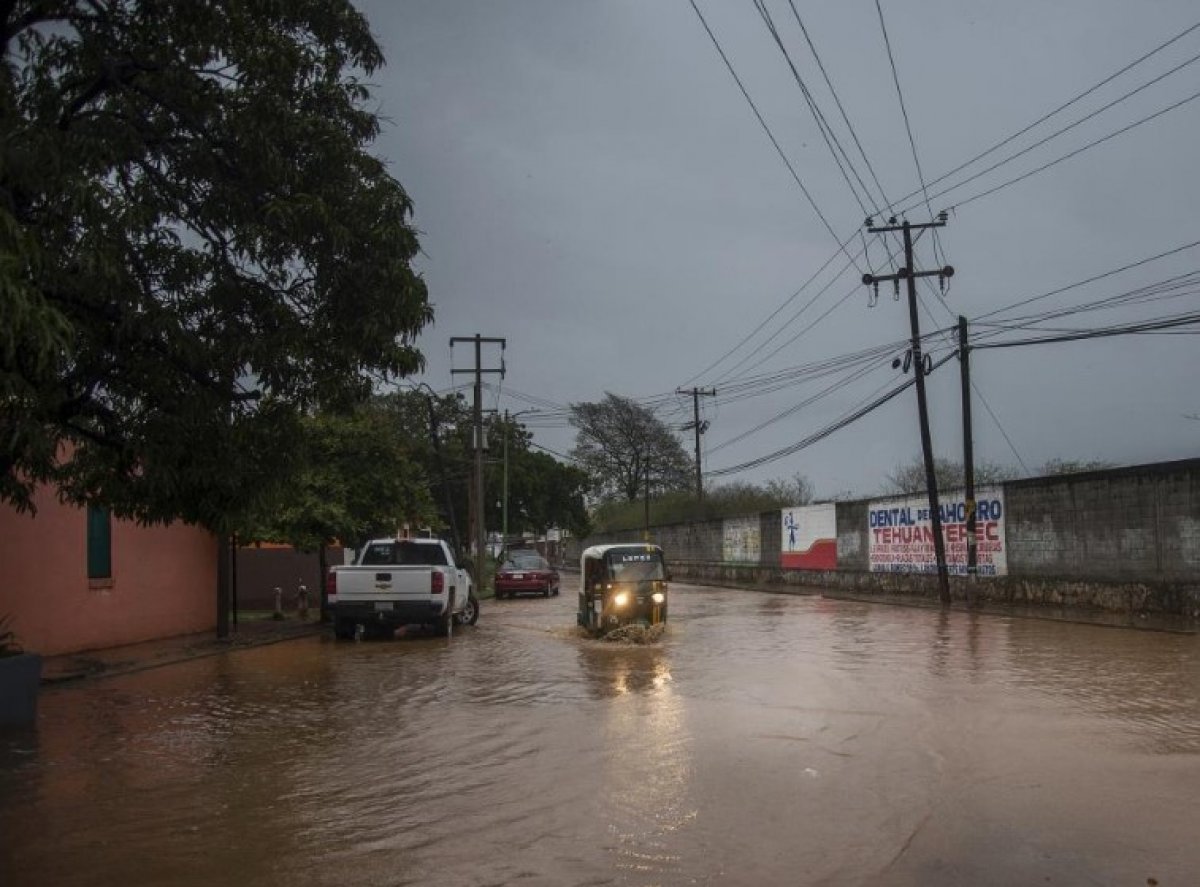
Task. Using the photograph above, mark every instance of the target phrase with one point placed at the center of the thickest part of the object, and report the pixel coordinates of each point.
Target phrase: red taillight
(437, 582)
(331, 583)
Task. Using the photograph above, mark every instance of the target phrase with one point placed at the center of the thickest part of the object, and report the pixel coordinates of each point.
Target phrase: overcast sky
(591, 185)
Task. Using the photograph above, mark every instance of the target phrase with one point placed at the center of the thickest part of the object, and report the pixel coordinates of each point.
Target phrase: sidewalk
(166, 651)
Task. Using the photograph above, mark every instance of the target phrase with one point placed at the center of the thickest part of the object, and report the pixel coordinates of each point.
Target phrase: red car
(525, 573)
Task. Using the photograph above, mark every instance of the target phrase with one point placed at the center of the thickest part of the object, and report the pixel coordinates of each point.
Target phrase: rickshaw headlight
(620, 599)
(658, 597)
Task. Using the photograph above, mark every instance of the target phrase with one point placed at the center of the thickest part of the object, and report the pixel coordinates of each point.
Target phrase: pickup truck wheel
(343, 630)
(470, 613)
(445, 625)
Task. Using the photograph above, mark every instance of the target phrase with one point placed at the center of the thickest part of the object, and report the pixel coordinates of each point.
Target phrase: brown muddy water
(767, 739)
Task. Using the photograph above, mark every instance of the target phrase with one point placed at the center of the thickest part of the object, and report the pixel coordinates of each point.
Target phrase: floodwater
(768, 739)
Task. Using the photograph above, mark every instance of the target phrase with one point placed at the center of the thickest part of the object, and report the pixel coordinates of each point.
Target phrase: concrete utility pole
(436, 440)
(910, 275)
(700, 428)
(480, 535)
(964, 365)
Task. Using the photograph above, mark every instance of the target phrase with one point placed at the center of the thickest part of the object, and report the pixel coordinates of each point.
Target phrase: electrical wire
(829, 429)
(841, 109)
(1085, 281)
(908, 127)
(1061, 131)
(767, 129)
(1092, 144)
(1074, 99)
(827, 134)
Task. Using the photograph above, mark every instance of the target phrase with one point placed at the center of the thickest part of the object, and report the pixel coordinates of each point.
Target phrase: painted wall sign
(900, 534)
(809, 537)
(741, 541)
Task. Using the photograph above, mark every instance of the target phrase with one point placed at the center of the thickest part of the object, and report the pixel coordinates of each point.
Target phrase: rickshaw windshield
(635, 566)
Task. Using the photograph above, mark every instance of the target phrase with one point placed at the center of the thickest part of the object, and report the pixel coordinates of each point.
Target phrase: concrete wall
(260, 569)
(1126, 524)
(163, 581)
(1124, 540)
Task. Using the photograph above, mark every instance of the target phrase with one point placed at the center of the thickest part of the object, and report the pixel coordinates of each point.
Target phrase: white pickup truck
(398, 582)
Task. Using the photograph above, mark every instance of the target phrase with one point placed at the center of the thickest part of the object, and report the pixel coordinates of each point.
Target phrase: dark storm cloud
(592, 186)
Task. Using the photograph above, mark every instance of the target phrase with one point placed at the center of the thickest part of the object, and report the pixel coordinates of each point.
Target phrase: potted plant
(20, 677)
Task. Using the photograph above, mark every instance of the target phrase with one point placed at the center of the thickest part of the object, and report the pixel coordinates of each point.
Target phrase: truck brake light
(437, 582)
(330, 583)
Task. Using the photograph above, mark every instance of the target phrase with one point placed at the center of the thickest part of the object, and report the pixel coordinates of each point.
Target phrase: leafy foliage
(196, 248)
(619, 442)
(355, 480)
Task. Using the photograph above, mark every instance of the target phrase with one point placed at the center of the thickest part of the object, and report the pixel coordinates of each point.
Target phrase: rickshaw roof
(598, 551)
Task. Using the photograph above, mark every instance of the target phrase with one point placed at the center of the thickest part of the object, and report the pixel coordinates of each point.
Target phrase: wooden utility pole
(964, 366)
(700, 428)
(646, 503)
(479, 445)
(910, 275)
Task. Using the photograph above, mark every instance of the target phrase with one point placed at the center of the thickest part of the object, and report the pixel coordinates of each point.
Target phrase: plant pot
(20, 677)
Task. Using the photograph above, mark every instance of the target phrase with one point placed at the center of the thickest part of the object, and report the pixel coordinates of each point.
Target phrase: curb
(184, 655)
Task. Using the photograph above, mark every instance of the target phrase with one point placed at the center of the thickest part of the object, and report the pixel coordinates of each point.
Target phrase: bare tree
(794, 490)
(619, 443)
(909, 477)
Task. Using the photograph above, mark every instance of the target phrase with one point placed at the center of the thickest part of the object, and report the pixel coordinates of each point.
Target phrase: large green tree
(624, 447)
(196, 247)
(354, 478)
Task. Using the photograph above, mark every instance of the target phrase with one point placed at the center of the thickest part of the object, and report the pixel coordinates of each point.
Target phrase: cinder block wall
(1139, 524)
(1124, 539)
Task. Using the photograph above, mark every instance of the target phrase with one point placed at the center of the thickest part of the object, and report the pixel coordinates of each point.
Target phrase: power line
(1077, 151)
(1085, 281)
(1003, 433)
(841, 109)
(982, 154)
(827, 134)
(1063, 130)
(908, 127)
(762, 122)
(827, 430)
(1057, 110)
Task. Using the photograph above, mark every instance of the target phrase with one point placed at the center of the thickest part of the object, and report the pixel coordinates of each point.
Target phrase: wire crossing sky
(613, 188)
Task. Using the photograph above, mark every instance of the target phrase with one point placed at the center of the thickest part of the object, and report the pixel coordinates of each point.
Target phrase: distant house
(78, 579)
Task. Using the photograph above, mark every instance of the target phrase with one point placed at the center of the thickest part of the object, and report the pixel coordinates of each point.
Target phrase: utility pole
(700, 428)
(646, 504)
(436, 440)
(964, 366)
(480, 535)
(910, 275)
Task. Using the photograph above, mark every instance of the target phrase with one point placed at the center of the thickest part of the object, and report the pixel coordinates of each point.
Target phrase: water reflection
(646, 764)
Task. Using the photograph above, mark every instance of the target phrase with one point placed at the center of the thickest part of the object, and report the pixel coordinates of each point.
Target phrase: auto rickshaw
(622, 585)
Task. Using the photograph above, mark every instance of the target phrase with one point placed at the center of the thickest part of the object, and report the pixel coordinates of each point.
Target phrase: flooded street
(769, 739)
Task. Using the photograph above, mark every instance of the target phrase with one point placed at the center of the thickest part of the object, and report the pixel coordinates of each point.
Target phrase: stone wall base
(1167, 598)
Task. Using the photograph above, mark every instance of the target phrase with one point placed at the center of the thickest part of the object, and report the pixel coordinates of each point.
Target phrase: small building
(79, 579)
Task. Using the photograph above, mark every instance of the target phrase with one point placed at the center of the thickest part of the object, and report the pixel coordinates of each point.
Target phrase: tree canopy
(354, 478)
(196, 248)
(619, 443)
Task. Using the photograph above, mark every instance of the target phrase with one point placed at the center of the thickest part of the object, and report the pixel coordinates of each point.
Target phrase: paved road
(769, 739)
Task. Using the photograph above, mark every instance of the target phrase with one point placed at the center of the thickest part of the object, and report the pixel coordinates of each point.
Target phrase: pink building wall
(163, 582)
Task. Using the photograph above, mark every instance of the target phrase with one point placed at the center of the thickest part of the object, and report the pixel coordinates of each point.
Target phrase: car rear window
(403, 553)
(526, 562)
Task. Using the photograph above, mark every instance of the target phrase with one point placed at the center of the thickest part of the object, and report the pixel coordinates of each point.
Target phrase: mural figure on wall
(810, 538)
